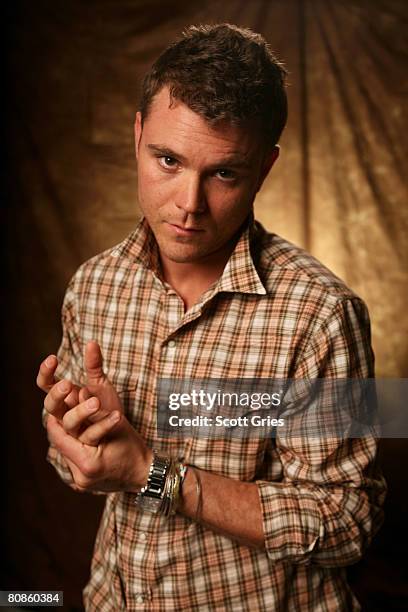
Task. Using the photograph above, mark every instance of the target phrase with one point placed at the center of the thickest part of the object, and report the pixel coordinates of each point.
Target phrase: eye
(167, 161)
(226, 175)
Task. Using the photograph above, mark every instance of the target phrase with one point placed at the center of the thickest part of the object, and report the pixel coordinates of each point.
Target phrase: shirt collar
(140, 247)
(239, 275)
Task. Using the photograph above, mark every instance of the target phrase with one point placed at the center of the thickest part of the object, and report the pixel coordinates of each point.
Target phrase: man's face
(196, 182)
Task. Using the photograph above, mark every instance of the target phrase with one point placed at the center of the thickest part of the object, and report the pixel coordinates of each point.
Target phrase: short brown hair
(222, 72)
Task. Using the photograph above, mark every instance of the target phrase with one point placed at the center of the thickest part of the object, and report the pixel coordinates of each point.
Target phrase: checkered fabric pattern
(275, 312)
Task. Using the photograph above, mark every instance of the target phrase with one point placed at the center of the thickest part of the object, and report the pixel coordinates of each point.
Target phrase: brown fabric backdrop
(338, 189)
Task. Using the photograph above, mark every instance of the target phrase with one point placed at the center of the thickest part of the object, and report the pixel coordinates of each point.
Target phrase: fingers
(75, 450)
(93, 362)
(73, 398)
(84, 394)
(71, 448)
(45, 378)
(94, 434)
(75, 418)
(97, 425)
(54, 402)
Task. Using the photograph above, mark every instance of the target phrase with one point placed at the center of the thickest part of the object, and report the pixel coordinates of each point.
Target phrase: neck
(191, 279)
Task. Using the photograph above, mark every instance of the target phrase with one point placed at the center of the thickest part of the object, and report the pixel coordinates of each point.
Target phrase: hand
(108, 455)
(63, 395)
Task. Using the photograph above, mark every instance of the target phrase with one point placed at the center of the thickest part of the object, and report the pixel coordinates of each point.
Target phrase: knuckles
(67, 422)
(84, 481)
(81, 485)
(89, 469)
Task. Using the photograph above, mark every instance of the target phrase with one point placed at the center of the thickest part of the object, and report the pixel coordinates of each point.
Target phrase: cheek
(232, 207)
(154, 182)
(151, 190)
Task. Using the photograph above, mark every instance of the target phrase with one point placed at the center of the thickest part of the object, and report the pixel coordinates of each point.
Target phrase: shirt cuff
(292, 521)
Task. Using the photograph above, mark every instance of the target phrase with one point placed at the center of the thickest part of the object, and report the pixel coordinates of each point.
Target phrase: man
(201, 290)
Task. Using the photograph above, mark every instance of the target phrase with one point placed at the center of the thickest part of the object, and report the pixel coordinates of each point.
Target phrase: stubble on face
(194, 214)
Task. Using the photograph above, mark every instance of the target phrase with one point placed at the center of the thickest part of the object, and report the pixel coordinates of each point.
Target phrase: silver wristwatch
(150, 497)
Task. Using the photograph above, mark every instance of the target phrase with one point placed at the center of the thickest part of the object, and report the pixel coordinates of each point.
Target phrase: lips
(190, 229)
(184, 231)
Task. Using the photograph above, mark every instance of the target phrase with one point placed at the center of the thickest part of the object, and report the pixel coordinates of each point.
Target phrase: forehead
(171, 122)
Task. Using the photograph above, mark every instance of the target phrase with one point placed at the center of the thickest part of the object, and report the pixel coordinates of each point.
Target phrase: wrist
(191, 496)
(162, 492)
(188, 495)
(148, 458)
(141, 469)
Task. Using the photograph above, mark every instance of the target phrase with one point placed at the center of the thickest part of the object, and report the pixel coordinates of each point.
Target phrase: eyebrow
(234, 160)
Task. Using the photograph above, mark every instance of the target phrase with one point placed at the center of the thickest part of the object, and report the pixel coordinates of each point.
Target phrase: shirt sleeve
(328, 504)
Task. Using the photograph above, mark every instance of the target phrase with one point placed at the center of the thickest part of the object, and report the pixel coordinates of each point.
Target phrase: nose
(191, 197)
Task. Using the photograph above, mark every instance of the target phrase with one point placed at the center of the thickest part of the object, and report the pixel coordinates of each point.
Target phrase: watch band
(162, 491)
(151, 495)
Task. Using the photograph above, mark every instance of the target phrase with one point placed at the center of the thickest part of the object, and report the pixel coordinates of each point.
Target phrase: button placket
(141, 595)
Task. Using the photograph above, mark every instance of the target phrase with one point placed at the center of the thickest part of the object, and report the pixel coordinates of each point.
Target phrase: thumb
(93, 362)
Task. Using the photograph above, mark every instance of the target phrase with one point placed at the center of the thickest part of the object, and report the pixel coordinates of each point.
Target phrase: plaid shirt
(275, 312)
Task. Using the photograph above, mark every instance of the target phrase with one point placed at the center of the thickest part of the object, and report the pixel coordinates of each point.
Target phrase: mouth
(184, 231)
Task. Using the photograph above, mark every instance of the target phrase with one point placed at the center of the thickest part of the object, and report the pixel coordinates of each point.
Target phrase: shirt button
(140, 599)
(143, 536)
(171, 344)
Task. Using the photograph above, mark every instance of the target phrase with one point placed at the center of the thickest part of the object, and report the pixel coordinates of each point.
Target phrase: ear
(269, 159)
(138, 132)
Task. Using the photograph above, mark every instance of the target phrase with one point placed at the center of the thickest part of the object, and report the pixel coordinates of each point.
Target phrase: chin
(183, 258)
(186, 255)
